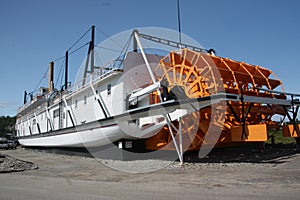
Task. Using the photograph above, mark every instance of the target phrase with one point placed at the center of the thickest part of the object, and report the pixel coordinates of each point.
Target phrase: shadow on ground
(277, 153)
(252, 153)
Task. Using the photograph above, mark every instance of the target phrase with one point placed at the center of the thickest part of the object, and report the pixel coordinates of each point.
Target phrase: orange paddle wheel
(190, 74)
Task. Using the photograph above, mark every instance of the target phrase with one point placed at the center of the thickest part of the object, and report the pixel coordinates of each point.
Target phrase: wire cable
(60, 73)
(78, 49)
(57, 59)
(79, 39)
(109, 37)
(44, 75)
(62, 57)
(98, 58)
(106, 48)
(124, 50)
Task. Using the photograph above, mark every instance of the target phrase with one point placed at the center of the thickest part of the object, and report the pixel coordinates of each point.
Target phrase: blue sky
(34, 32)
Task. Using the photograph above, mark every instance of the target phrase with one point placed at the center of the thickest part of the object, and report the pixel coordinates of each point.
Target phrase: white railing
(28, 103)
(93, 77)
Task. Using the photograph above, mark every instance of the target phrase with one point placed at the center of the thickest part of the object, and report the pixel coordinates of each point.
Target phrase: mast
(178, 17)
(50, 79)
(134, 40)
(66, 70)
(90, 56)
(92, 48)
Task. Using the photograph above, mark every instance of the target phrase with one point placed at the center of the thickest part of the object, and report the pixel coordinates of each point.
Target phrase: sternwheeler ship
(169, 100)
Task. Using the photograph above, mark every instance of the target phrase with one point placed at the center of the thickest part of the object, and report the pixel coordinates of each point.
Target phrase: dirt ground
(231, 173)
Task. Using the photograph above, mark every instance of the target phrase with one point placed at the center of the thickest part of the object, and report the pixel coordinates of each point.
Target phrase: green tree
(7, 124)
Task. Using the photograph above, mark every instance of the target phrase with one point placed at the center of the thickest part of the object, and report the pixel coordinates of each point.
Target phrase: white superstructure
(83, 114)
(98, 109)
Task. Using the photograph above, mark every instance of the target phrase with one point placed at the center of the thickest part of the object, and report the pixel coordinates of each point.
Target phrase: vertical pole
(90, 56)
(244, 134)
(134, 41)
(51, 74)
(25, 97)
(92, 49)
(179, 26)
(294, 116)
(66, 69)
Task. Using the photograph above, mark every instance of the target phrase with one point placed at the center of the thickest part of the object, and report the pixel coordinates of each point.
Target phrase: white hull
(85, 138)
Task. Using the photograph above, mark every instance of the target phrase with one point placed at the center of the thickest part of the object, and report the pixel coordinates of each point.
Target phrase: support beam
(49, 120)
(136, 35)
(173, 138)
(100, 102)
(71, 115)
(180, 141)
(37, 123)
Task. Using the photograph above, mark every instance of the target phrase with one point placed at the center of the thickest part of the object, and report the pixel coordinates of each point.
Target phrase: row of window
(56, 112)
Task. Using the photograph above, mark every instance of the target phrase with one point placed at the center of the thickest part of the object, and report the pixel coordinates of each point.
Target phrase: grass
(279, 139)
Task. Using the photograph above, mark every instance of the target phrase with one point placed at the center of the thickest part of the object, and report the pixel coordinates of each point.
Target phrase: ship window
(34, 121)
(108, 89)
(56, 113)
(84, 99)
(76, 103)
(96, 93)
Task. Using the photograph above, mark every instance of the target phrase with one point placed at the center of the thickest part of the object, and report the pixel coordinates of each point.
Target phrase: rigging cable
(106, 48)
(44, 75)
(79, 39)
(61, 77)
(60, 73)
(125, 48)
(109, 37)
(57, 59)
(98, 60)
(54, 60)
(78, 49)
(62, 57)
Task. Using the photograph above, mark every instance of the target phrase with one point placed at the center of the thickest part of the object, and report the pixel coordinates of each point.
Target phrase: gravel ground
(10, 164)
(231, 173)
(217, 159)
